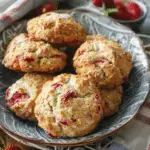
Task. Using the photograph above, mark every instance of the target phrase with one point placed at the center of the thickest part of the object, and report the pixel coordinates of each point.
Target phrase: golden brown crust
(111, 99)
(57, 29)
(26, 55)
(21, 96)
(69, 106)
(103, 60)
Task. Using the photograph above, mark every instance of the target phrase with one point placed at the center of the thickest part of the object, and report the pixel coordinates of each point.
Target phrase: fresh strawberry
(127, 10)
(121, 15)
(12, 147)
(119, 5)
(134, 10)
(109, 3)
(97, 3)
(47, 7)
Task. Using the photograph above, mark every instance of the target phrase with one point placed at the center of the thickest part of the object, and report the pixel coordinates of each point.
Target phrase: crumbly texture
(26, 55)
(69, 106)
(103, 60)
(21, 96)
(57, 29)
(111, 100)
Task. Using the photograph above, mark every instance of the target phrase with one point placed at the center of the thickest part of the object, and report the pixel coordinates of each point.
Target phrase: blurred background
(143, 28)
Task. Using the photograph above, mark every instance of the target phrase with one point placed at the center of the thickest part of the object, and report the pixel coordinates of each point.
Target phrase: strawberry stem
(109, 11)
(112, 10)
(106, 13)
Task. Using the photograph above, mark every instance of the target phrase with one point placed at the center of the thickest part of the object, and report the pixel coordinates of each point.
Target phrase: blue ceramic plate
(135, 91)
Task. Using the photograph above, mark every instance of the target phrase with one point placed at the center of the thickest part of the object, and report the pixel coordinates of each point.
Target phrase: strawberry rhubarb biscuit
(57, 29)
(111, 100)
(103, 60)
(21, 96)
(69, 106)
(26, 55)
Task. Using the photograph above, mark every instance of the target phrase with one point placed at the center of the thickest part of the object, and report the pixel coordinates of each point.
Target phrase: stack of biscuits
(65, 105)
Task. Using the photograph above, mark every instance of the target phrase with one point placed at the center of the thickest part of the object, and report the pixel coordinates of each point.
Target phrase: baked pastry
(57, 29)
(103, 60)
(21, 96)
(69, 106)
(111, 100)
(26, 55)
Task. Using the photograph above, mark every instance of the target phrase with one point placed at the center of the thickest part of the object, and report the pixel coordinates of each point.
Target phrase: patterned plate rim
(90, 141)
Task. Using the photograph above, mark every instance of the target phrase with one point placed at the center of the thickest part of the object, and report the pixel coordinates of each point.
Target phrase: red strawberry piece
(68, 95)
(97, 3)
(17, 97)
(47, 7)
(12, 147)
(121, 15)
(101, 60)
(109, 3)
(134, 10)
(55, 85)
(66, 122)
(50, 134)
(119, 5)
(29, 59)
